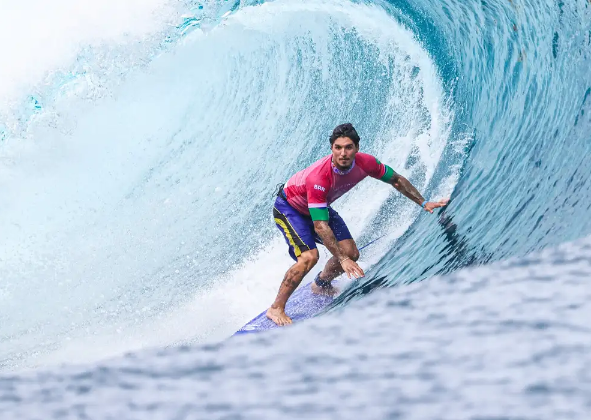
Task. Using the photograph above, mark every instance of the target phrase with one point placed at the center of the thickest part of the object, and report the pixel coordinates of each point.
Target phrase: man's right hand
(351, 268)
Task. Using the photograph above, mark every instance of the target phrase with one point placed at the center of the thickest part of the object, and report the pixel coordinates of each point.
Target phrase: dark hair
(344, 130)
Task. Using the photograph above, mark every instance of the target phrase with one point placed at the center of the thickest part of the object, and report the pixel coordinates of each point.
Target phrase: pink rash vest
(311, 190)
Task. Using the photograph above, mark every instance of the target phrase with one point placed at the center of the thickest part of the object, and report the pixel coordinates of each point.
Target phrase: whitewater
(140, 147)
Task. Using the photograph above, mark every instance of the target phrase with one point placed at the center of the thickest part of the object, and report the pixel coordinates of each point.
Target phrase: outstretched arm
(408, 190)
(378, 170)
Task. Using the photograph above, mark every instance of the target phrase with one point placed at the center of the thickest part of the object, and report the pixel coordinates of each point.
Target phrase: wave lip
(69, 43)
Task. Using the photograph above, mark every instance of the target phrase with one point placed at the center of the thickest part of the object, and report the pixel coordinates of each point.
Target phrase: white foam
(38, 37)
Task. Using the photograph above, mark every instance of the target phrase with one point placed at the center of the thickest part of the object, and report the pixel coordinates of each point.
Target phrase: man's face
(343, 152)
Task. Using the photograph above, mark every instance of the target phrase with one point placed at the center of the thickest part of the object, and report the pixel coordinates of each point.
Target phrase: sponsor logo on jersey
(318, 187)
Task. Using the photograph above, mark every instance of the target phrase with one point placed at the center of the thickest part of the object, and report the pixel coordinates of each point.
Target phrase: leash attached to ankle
(321, 283)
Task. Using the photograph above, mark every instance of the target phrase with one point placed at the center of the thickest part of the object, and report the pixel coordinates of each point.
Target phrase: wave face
(137, 173)
(522, 87)
(149, 202)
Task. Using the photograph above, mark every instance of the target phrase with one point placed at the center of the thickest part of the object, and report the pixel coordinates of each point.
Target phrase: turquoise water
(137, 171)
(521, 81)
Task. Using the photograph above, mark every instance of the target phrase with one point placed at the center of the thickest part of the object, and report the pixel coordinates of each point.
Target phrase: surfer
(303, 214)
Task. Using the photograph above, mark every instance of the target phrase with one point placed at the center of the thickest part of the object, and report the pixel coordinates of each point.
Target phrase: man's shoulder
(322, 161)
(319, 172)
(361, 157)
(367, 162)
(320, 167)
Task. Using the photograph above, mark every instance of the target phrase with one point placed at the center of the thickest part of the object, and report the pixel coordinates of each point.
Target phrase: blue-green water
(521, 81)
(137, 183)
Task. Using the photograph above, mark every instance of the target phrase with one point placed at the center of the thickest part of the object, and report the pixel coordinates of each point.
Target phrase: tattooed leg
(291, 281)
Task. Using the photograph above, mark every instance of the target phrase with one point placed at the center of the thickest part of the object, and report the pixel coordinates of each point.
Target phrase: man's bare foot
(325, 291)
(278, 316)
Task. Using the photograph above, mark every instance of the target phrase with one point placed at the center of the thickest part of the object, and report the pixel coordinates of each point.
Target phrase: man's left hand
(432, 205)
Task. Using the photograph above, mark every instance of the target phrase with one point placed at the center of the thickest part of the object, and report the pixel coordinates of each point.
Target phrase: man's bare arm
(408, 190)
(349, 266)
(328, 239)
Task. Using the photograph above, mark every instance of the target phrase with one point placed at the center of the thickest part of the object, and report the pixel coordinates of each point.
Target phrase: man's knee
(309, 258)
(354, 254)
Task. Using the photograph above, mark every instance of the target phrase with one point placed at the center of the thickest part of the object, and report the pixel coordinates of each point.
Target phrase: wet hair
(344, 130)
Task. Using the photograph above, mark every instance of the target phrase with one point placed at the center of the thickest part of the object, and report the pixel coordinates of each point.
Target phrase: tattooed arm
(330, 242)
(408, 190)
(328, 239)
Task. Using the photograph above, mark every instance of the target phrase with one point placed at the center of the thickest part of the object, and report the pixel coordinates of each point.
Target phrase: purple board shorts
(298, 229)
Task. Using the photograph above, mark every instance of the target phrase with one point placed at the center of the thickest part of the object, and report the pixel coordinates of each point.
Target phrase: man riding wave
(303, 214)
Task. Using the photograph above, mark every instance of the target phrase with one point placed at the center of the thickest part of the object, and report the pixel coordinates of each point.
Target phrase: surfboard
(302, 304)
